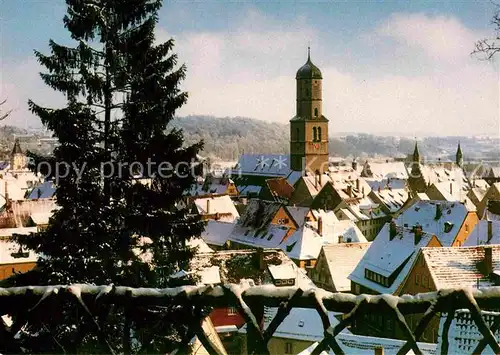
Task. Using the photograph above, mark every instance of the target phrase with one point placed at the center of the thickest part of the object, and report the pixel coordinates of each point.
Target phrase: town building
(335, 263)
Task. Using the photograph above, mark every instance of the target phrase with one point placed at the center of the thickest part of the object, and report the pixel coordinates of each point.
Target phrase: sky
(389, 67)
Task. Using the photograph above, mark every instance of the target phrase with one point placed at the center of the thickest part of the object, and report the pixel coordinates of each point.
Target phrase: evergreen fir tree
(117, 223)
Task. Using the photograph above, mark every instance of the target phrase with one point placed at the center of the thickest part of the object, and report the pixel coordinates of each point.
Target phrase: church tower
(459, 158)
(17, 157)
(309, 128)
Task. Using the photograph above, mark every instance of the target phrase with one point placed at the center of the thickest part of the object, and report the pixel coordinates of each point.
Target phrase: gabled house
(448, 267)
(450, 222)
(368, 215)
(219, 207)
(484, 233)
(211, 185)
(389, 259)
(384, 170)
(335, 263)
(390, 194)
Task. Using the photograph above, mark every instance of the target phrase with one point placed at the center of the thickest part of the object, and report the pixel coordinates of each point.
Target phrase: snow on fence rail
(247, 299)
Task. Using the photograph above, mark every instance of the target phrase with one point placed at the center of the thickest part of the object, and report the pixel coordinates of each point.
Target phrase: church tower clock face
(309, 152)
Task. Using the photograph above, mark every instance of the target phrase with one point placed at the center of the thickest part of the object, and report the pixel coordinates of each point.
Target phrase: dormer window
(448, 227)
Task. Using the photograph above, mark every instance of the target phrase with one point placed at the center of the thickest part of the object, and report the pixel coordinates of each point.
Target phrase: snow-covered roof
(391, 258)
(8, 248)
(424, 214)
(342, 258)
(366, 345)
(463, 334)
(452, 190)
(298, 214)
(480, 183)
(46, 189)
(272, 165)
(41, 218)
(210, 275)
(393, 199)
(217, 232)
(217, 204)
(266, 237)
(300, 324)
(434, 173)
(200, 244)
(384, 170)
(259, 213)
(364, 209)
(460, 267)
(282, 272)
(479, 235)
(8, 232)
(306, 242)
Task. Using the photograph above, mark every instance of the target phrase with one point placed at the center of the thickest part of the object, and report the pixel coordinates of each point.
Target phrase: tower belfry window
(315, 112)
(315, 137)
(319, 134)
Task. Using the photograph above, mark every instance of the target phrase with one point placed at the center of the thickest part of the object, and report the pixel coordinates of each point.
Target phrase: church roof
(17, 148)
(309, 70)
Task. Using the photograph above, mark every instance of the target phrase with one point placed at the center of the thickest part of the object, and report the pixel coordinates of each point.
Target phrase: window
(319, 134)
(231, 311)
(315, 136)
(316, 112)
(466, 227)
(341, 239)
(288, 348)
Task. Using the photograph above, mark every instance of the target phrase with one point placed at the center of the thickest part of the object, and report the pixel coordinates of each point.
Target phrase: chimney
(316, 181)
(490, 231)
(363, 191)
(451, 188)
(488, 260)
(320, 226)
(379, 350)
(417, 229)
(392, 230)
(354, 165)
(259, 255)
(208, 205)
(319, 178)
(357, 184)
(349, 190)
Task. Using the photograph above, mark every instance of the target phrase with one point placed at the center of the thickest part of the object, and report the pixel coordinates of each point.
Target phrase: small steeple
(416, 154)
(17, 148)
(459, 158)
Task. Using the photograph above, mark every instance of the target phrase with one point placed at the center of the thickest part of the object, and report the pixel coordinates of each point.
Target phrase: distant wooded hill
(227, 138)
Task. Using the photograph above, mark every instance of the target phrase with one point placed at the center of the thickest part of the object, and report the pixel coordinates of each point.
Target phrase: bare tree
(4, 114)
(487, 48)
